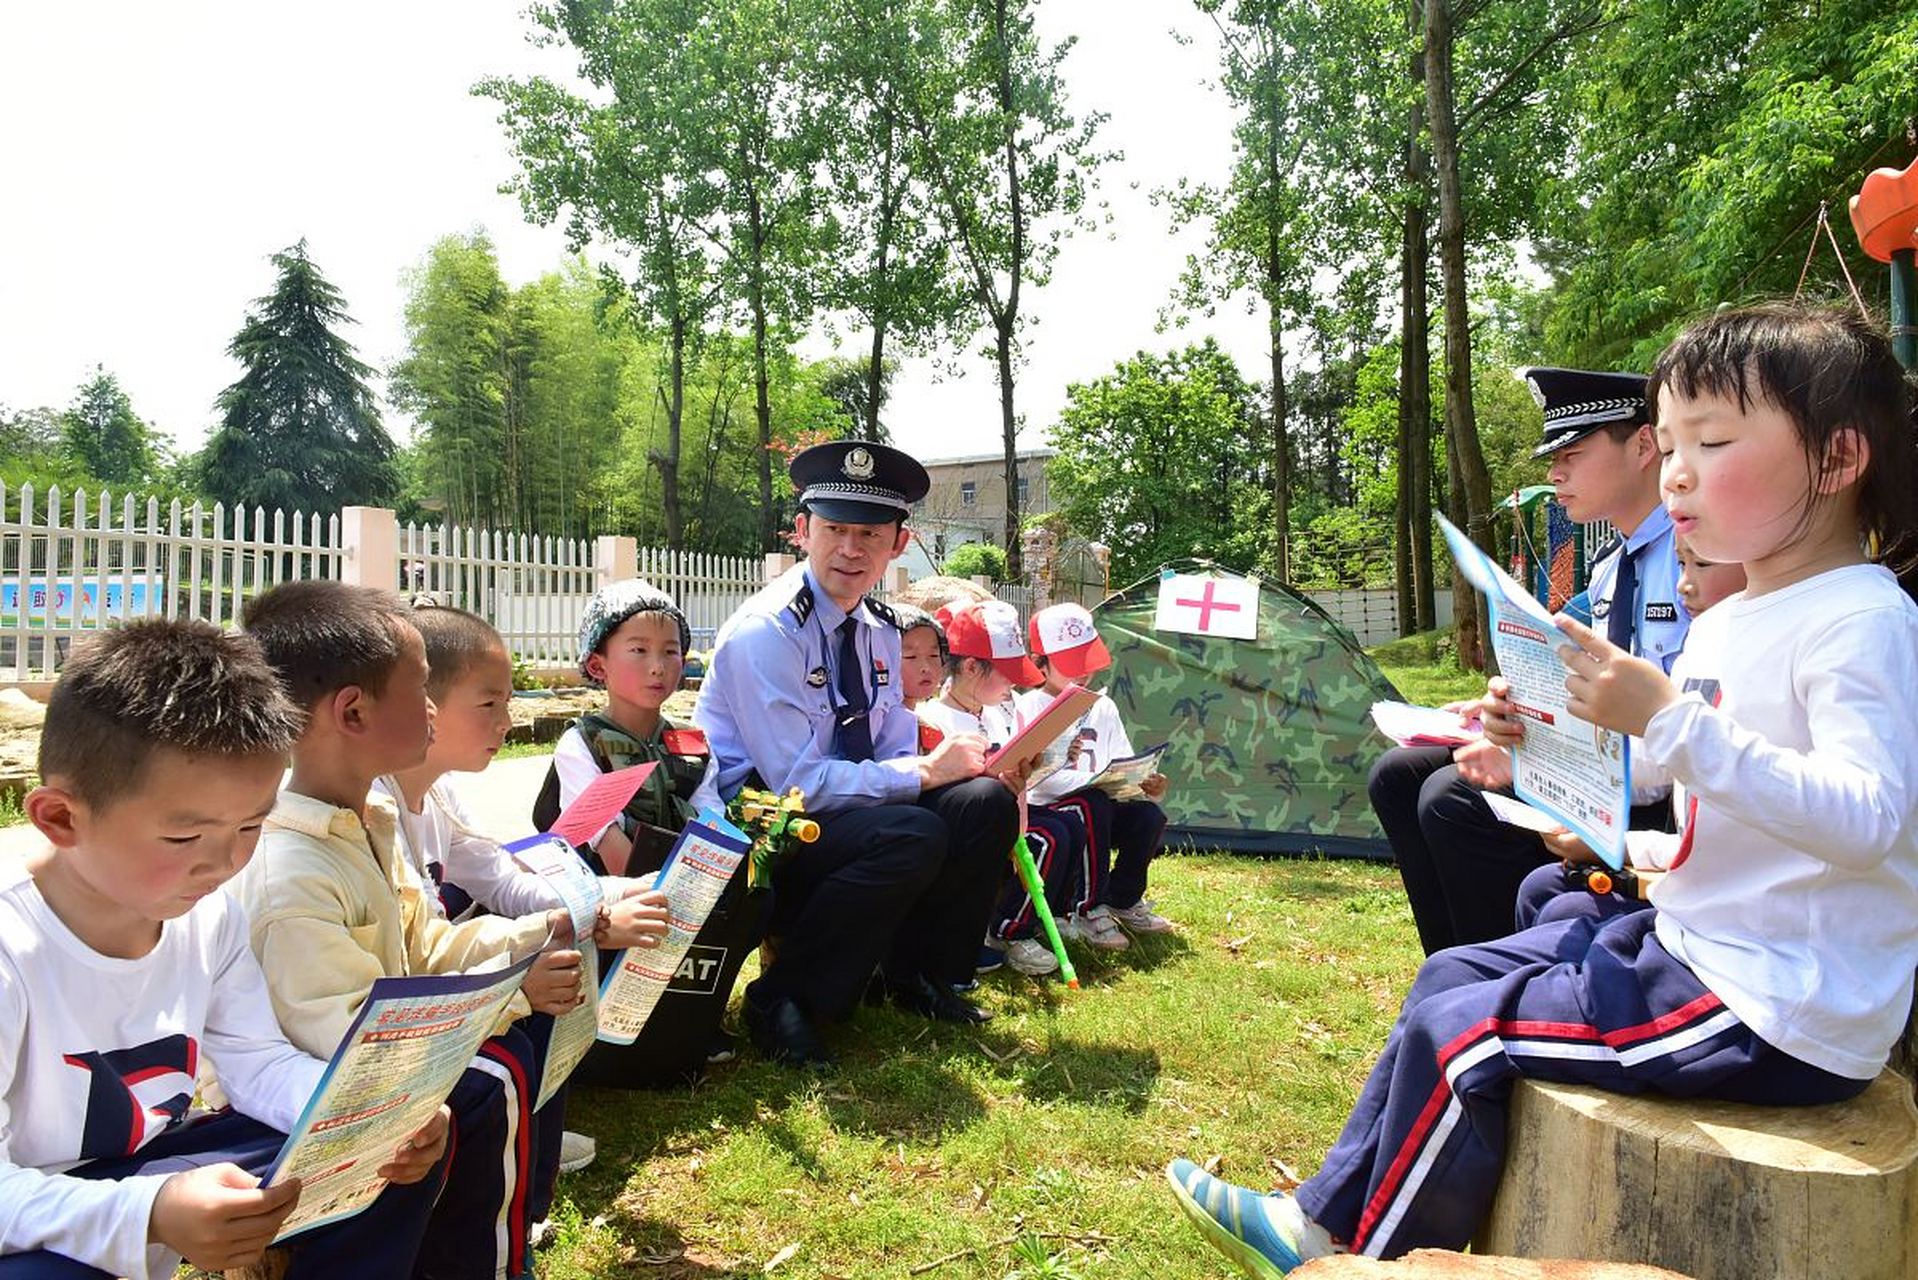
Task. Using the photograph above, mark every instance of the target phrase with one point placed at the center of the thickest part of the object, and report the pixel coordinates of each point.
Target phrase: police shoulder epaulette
(1612, 545)
(883, 612)
(801, 605)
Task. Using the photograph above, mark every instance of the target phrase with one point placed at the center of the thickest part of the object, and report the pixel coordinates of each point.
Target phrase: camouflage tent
(1270, 740)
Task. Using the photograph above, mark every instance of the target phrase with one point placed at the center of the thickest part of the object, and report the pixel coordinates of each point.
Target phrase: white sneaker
(540, 1234)
(1031, 957)
(576, 1151)
(1096, 928)
(1141, 918)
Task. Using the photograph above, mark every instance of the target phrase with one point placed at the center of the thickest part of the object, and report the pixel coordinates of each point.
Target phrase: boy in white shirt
(470, 680)
(333, 904)
(122, 966)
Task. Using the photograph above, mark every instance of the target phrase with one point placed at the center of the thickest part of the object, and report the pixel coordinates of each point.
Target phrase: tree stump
(1441, 1264)
(1716, 1190)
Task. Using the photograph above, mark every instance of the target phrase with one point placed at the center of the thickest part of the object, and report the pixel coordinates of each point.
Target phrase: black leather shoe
(781, 1033)
(938, 1002)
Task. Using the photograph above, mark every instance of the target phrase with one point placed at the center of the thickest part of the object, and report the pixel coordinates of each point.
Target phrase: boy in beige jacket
(333, 903)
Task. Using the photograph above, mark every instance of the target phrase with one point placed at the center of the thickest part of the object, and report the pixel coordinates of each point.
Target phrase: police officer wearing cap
(801, 692)
(1461, 865)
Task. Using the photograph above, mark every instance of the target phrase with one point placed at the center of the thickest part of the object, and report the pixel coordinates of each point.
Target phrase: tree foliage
(977, 560)
(1162, 459)
(104, 438)
(1010, 168)
(299, 430)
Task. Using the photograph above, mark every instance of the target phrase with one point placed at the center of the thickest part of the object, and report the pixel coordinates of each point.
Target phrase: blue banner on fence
(64, 600)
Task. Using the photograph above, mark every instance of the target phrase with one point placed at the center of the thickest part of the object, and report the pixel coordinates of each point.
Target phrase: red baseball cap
(1065, 635)
(989, 630)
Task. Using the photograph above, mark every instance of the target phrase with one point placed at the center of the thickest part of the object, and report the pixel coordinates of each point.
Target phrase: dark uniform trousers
(906, 887)
(381, 1241)
(1461, 866)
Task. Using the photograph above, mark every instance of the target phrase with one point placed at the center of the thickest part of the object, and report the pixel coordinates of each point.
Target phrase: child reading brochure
(1775, 966)
(986, 661)
(470, 680)
(1558, 888)
(1125, 834)
(334, 905)
(632, 643)
(121, 963)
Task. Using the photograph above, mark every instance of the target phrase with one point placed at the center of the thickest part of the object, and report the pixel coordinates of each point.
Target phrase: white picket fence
(71, 563)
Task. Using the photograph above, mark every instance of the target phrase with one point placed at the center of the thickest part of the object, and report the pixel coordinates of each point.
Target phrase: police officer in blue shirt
(1460, 864)
(801, 692)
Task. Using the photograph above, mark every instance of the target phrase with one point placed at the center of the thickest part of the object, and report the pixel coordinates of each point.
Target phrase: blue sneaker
(1233, 1220)
(990, 958)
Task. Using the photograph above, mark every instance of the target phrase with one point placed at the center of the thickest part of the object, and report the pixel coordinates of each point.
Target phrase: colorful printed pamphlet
(407, 1048)
(1122, 778)
(573, 1031)
(1411, 726)
(697, 871)
(1571, 768)
(604, 799)
(1030, 742)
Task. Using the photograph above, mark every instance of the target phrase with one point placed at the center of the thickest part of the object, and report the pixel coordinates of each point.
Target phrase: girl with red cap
(1123, 836)
(986, 660)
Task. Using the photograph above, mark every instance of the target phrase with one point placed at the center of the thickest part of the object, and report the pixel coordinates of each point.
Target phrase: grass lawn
(1425, 669)
(1032, 1146)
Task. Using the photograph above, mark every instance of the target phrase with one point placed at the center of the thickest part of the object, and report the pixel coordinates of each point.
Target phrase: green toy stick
(1036, 890)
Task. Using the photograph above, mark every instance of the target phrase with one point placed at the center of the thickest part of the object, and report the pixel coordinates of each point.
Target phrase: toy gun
(1601, 880)
(775, 824)
(1036, 890)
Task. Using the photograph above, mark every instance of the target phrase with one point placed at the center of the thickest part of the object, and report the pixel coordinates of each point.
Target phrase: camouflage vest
(662, 806)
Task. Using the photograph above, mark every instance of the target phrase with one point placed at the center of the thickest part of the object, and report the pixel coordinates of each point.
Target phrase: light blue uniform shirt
(1660, 620)
(770, 697)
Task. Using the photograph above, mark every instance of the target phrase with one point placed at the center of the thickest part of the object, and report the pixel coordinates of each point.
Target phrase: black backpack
(673, 1045)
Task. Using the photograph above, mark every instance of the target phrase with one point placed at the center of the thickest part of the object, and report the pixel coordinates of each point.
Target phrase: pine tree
(300, 429)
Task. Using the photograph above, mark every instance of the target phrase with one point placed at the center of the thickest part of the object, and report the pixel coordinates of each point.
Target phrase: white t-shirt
(995, 724)
(442, 835)
(1798, 902)
(1101, 737)
(99, 1055)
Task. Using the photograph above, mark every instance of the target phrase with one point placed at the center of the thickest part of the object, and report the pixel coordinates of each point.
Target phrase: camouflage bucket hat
(612, 604)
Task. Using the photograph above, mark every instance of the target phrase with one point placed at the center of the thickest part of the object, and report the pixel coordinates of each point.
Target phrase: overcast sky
(154, 155)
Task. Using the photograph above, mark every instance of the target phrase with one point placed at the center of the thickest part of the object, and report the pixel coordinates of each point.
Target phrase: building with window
(967, 503)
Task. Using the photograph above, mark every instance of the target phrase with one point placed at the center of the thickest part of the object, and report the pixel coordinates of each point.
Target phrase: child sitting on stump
(1776, 964)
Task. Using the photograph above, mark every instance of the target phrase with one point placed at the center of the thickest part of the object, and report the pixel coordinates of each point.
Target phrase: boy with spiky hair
(121, 964)
(335, 905)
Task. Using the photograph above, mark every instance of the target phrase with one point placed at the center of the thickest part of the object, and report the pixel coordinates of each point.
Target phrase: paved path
(500, 801)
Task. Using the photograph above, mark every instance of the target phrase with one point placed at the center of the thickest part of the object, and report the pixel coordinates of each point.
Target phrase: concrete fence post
(370, 547)
(777, 562)
(615, 558)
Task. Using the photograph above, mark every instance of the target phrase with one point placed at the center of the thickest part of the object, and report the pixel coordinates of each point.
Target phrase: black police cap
(857, 482)
(1578, 402)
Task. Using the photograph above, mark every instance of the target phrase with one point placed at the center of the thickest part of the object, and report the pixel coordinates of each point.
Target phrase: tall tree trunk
(888, 210)
(1007, 321)
(762, 401)
(1415, 383)
(667, 461)
(1275, 331)
(1461, 426)
(1402, 510)
(1009, 427)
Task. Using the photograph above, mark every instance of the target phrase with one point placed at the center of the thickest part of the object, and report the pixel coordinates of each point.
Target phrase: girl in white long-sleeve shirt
(1776, 965)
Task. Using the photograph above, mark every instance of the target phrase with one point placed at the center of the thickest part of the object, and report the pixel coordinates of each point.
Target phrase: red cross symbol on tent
(1206, 605)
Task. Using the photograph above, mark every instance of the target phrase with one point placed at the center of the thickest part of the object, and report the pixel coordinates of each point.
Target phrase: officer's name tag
(1661, 612)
